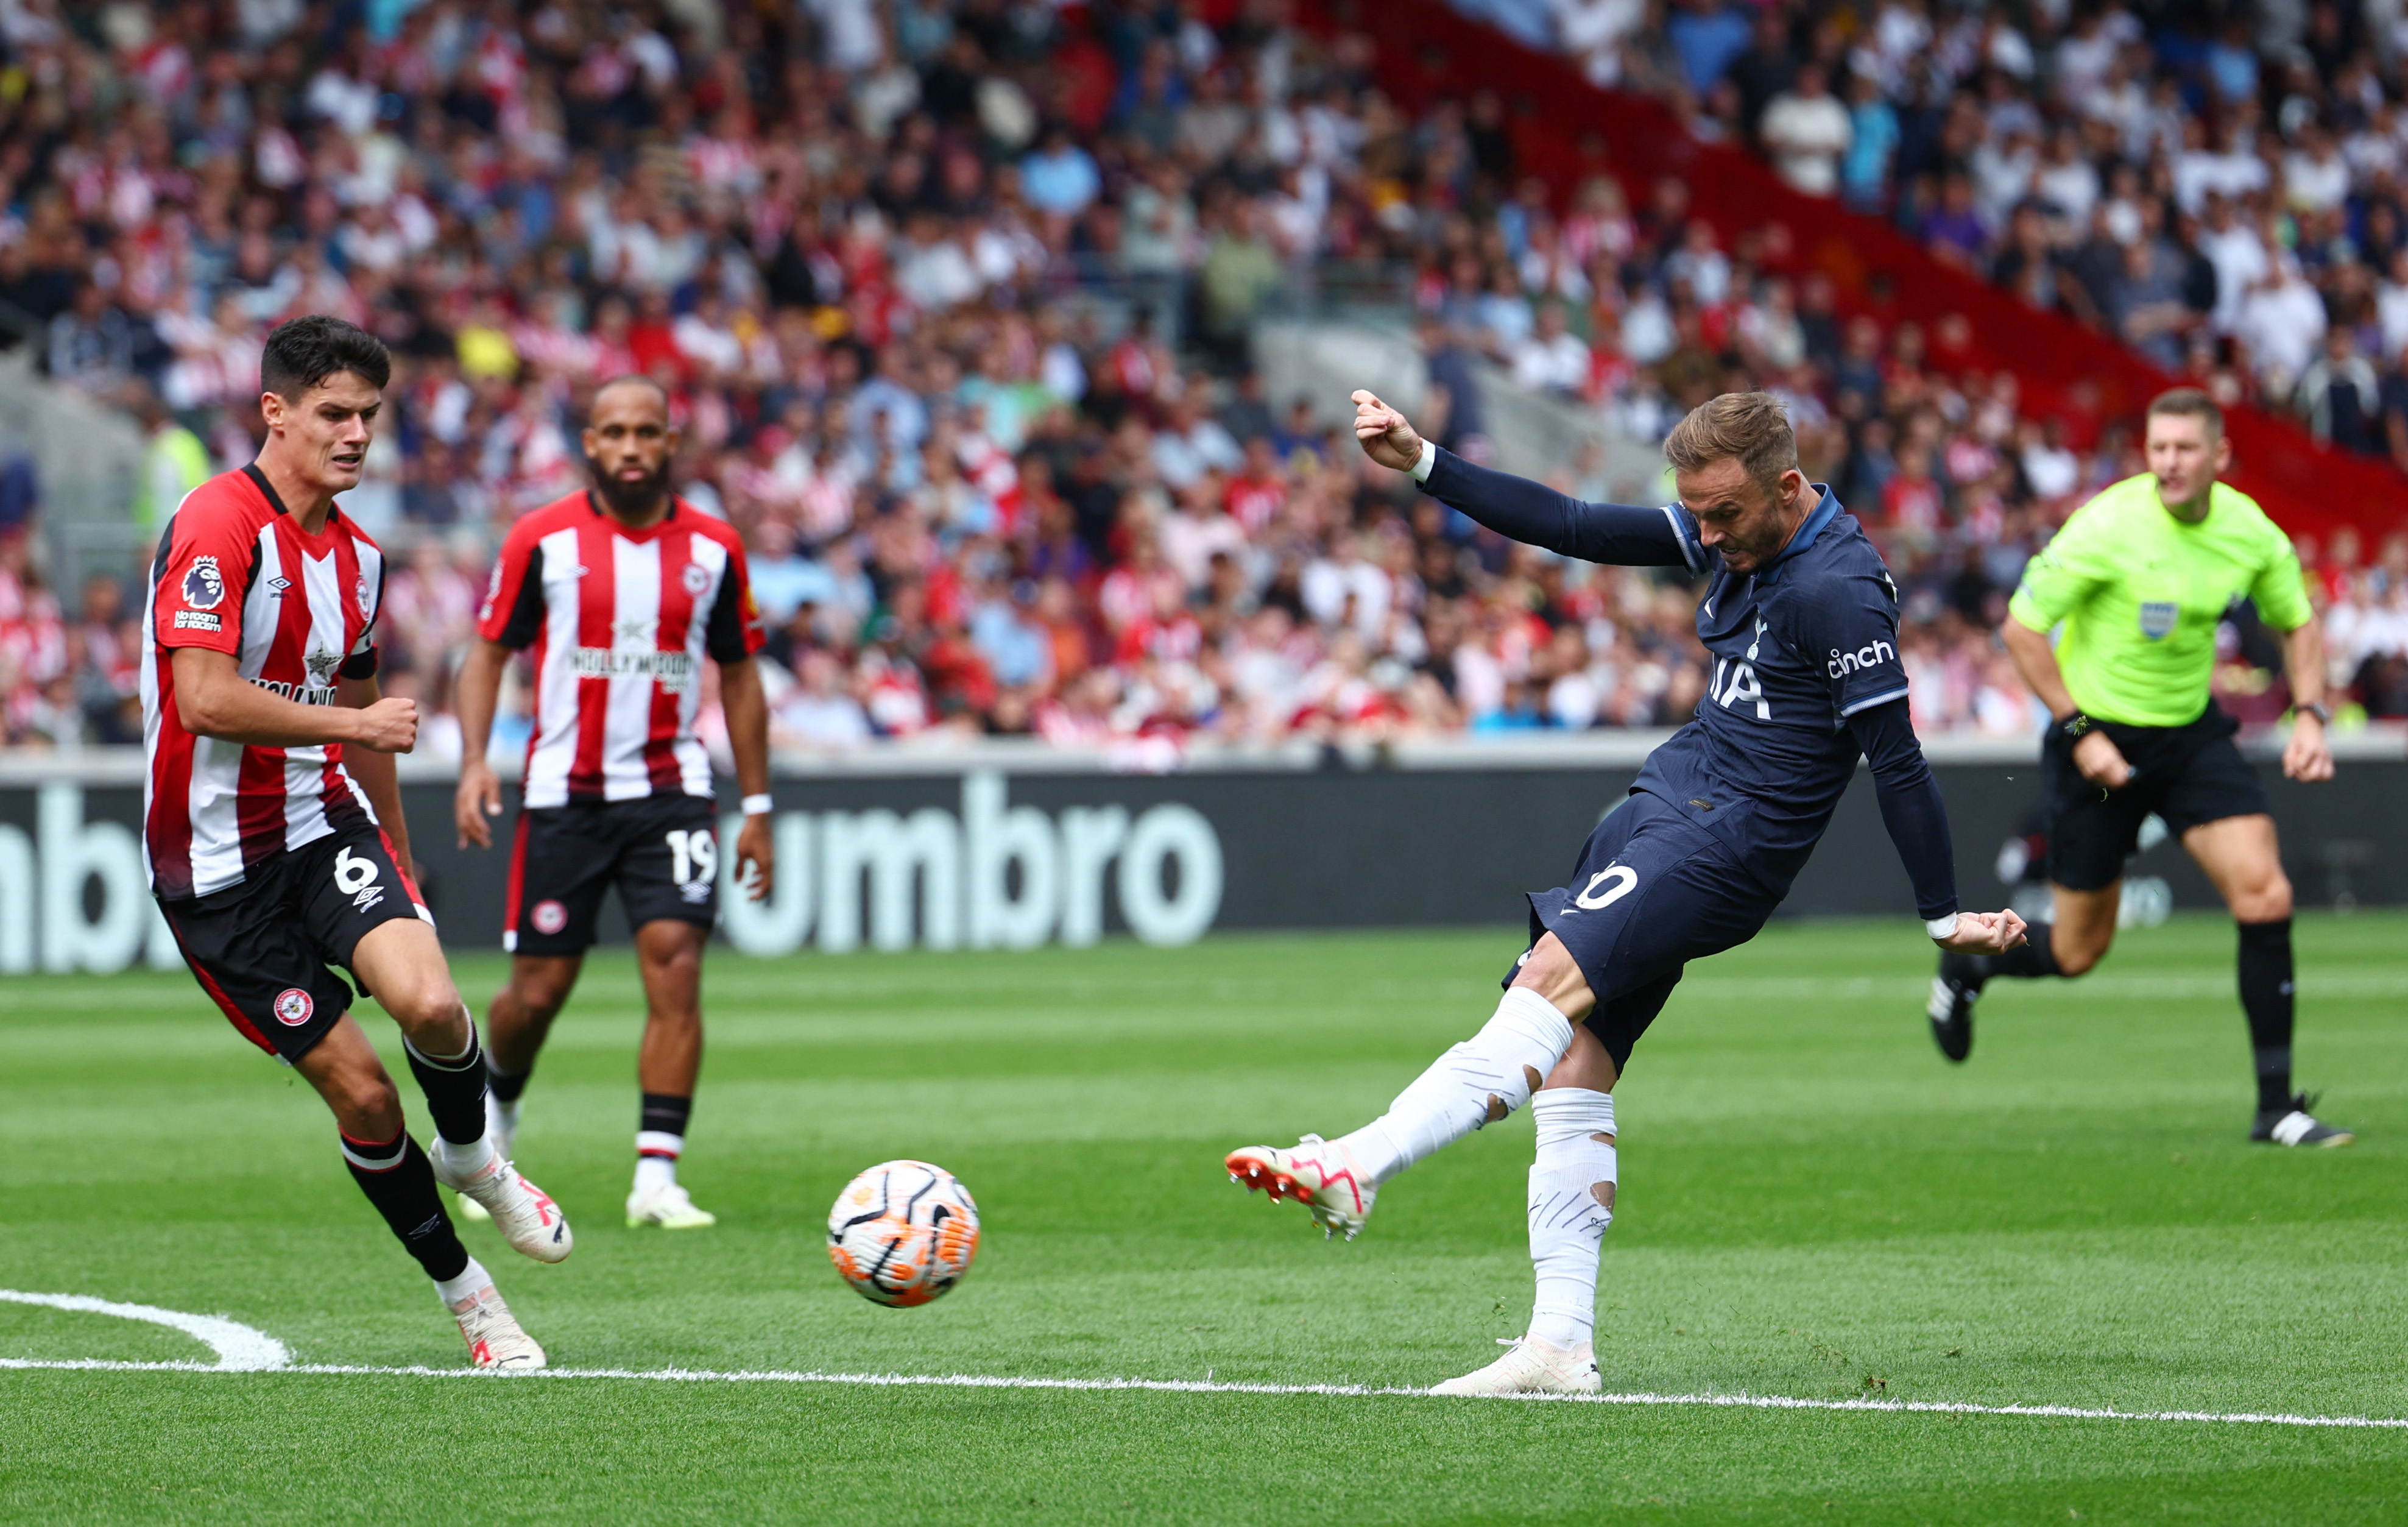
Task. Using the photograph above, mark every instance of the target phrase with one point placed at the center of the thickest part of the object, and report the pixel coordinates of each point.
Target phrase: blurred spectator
(956, 306)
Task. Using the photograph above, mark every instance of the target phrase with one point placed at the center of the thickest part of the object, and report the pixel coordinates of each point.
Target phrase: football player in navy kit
(1801, 619)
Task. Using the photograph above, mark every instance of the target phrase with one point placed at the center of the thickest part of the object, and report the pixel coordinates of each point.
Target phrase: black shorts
(2186, 775)
(662, 852)
(1652, 891)
(260, 949)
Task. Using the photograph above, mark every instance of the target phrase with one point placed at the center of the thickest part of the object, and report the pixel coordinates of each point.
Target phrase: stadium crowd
(2226, 189)
(956, 303)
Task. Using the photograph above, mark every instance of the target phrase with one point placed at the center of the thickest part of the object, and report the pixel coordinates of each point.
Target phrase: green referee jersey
(2140, 593)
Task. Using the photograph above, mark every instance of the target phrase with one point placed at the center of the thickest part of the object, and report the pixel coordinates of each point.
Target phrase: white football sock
(656, 1159)
(1567, 1219)
(466, 1161)
(1450, 1098)
(472, 1277)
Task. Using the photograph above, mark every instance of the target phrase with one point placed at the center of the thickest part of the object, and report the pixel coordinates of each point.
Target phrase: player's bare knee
(2268, 901)
(541, 994)
(429, 1010)
(2075, 958)
(366, 1103)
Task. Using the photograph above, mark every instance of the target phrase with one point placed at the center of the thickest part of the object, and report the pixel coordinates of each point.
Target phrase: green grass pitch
(1812, 1205)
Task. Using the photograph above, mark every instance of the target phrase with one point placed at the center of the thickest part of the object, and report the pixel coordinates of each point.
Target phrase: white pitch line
(240, 1347)
(1195, 1386)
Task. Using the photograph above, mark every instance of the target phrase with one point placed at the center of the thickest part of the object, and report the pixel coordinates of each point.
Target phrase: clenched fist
(389, 725)
(1386, 438)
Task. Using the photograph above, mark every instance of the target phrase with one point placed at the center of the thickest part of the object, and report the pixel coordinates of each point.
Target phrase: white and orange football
(903, 1233)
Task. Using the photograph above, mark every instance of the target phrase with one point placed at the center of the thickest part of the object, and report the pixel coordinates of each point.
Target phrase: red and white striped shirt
(237, 574)
(620, 621)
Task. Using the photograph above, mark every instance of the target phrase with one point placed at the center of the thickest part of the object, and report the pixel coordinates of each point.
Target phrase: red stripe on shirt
(677, 618)
(597, 606)
(259, 807)
(169, 828)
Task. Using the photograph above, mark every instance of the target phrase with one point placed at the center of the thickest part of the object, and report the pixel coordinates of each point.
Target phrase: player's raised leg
(1476, 1083)
(668, 953)
(402, 965)
(398, 1179)
(2241, 856)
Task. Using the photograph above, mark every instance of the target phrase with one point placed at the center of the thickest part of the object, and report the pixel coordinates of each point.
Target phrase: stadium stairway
(1566, 129)
(1323, 361)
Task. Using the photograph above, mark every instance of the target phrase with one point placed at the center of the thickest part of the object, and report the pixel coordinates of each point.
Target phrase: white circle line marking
(240, 1348)
(1190, 1386)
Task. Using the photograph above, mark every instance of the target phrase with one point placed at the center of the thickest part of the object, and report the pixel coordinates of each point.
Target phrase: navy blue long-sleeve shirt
(1806, 676)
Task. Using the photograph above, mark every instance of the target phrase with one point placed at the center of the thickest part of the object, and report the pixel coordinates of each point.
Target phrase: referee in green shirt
(2140, 576)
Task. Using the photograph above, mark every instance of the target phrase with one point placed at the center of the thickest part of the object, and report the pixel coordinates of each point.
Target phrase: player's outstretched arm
(1526, 511)
(1917, 820)
(214, 699)
(474, 695)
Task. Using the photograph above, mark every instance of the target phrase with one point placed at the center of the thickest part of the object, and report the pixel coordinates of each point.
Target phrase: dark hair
(635, 379)
(2194, 403)
(306, 350)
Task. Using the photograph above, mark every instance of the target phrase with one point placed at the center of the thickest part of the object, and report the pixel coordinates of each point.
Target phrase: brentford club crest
(549, 917)
(368, 601)
(697, 578)
(294, 1007)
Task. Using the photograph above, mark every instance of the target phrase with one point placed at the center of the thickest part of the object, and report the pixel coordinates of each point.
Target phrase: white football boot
(1531, 1366)
(502, 1129)
(494, 1337)
(1318, 1174)
(523, 1213)
(668, 1206)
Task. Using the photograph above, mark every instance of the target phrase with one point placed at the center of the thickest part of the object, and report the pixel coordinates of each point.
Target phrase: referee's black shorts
(2186, 775)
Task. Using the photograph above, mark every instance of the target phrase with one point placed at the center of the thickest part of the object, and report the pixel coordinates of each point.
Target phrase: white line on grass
(1191, 1386)
(240, 1347)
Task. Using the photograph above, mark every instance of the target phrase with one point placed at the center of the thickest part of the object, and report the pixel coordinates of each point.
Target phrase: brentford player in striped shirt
(272, 824)
(621, 592)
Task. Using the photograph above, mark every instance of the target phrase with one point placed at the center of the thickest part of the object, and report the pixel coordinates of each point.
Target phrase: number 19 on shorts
(694, 854)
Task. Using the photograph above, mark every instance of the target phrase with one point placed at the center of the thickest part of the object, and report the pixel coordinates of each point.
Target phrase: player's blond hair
(1752, 428)
(2192, 402)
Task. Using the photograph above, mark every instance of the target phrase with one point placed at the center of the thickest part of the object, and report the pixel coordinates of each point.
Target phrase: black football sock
(399, 1180)
(660, 1139)
(506, 1085)
(664, 1113)
(2265, 997)
(455, 1087)
(2033, 957)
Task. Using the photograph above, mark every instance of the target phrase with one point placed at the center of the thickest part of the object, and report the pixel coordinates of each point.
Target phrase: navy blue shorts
(1653, 891)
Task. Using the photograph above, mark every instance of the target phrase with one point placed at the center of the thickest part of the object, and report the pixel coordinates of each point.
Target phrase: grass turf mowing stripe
(1206, 1386)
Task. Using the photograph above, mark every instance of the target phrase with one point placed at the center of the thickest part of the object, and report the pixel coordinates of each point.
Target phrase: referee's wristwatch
(2319, 710)
(2074, 727)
